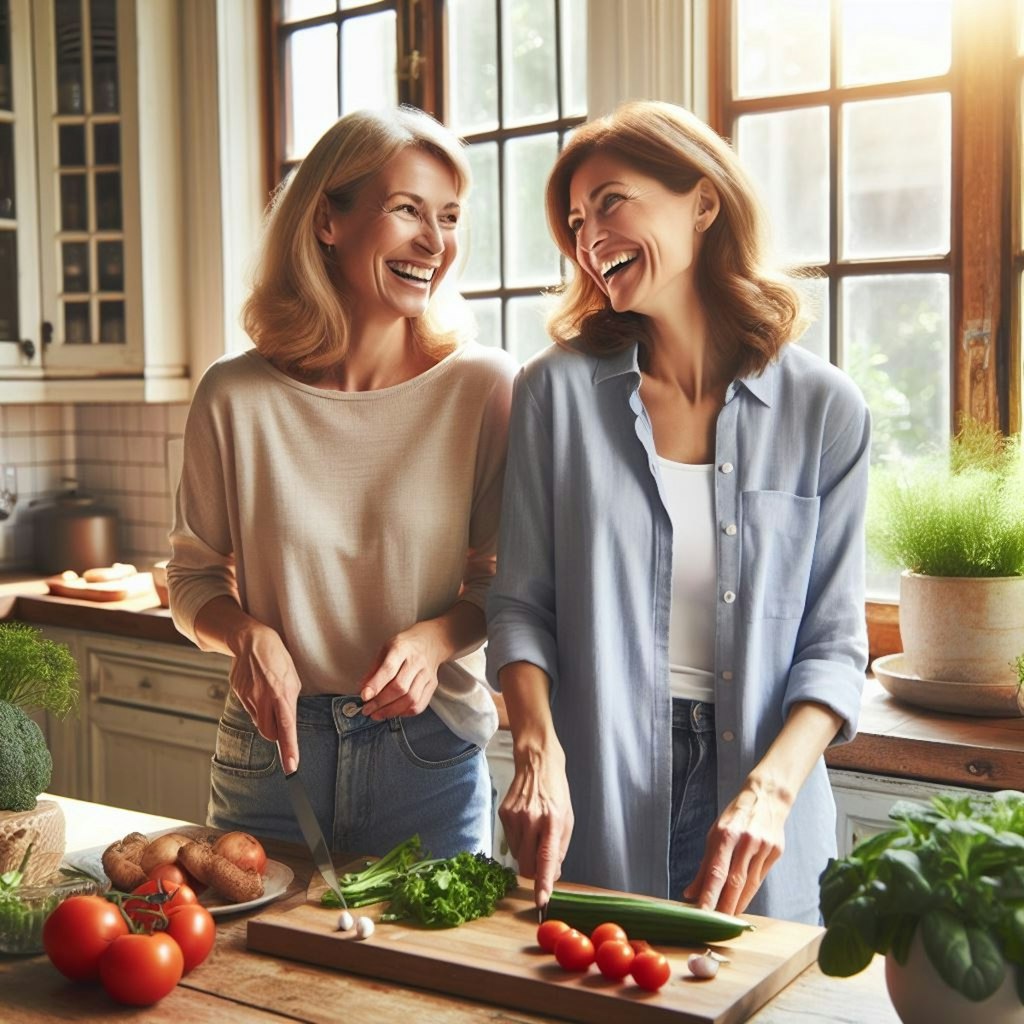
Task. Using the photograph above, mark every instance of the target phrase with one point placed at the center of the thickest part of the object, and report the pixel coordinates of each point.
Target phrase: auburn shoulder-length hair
(294, 314)
(751, 310)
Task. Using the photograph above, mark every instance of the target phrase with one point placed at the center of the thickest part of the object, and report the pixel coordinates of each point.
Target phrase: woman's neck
(683, 357)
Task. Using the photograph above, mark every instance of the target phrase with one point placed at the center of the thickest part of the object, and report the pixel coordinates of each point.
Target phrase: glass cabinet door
(82, 211)
(20, 329)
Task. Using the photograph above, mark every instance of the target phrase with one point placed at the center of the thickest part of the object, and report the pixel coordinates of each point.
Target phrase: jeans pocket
(779, 532)
(428, 743)
(243, 752)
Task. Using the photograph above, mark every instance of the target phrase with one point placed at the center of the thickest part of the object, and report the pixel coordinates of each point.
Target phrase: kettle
(73, 531)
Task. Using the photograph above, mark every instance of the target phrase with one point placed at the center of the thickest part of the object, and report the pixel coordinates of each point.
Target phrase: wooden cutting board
(138, 585)
(496, 960)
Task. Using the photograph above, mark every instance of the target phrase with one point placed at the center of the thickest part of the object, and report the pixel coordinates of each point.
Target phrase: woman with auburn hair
(338, 508)
(677, 624)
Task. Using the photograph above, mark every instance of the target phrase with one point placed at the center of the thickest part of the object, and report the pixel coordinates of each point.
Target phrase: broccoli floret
(25, 763)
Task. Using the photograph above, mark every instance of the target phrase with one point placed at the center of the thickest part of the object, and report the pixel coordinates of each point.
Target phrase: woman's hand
(404, 677)
(537, 816)
(264, 678)
(743, 844)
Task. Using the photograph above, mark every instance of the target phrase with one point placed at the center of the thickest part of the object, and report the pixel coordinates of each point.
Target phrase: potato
(162, 850)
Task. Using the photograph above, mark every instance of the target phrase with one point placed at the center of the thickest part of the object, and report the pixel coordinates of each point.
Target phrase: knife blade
(312, 833)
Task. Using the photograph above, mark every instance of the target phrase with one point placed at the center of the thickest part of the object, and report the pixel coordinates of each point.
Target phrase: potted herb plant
(941, 896)
(955, 524)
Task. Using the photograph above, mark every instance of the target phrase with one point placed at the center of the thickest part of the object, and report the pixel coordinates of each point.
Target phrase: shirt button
(728, 735)
(350, 710)
(728, 597)
(726, 467)
(727, 676)
(730, 530)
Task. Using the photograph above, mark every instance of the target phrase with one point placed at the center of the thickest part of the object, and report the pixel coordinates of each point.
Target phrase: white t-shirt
(690, 498)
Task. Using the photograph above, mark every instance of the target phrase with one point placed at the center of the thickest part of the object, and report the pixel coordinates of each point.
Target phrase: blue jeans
(694, 789)
(372, 784)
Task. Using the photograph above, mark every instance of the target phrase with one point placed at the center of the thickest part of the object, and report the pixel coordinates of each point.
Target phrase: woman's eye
(450, 221)
(575, 226)
(610, 199)
(407, 208)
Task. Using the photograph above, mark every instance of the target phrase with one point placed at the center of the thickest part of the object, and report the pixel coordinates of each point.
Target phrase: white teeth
(411, 270)
(618, 258)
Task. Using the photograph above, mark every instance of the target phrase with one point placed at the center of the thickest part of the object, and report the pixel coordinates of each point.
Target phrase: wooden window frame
(985, 321)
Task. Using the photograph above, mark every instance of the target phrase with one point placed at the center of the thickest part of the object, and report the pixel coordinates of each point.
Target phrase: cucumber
(670, 923)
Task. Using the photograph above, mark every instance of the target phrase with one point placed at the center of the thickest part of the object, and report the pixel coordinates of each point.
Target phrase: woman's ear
(323, 226)
(708, 204)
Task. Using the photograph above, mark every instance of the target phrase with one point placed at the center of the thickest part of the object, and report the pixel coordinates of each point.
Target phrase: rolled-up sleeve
(521, 602)
(202, 564)
(832, 649)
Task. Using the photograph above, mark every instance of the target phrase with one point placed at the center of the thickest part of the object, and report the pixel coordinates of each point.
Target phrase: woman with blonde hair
(338, 508)
(677, 625)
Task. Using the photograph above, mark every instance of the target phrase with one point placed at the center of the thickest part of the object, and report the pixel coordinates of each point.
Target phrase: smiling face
(635, 238)
(397, 241)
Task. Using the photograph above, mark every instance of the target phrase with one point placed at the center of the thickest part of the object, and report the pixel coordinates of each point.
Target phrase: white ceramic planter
(962, 629)
(920, 996)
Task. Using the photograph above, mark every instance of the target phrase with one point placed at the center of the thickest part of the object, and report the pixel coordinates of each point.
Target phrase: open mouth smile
(610, 267)
(412, 272)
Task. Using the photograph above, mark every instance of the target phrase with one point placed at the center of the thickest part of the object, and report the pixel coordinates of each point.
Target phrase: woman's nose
(431, 238)
(588, 236)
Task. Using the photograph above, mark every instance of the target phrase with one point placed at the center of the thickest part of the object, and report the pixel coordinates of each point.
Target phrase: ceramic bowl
(993, 700)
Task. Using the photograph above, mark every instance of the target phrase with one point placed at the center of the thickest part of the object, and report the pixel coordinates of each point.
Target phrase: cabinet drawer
(156, 684)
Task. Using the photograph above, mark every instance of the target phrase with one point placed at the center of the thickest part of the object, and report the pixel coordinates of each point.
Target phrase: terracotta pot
(920, 996)
(962, 629)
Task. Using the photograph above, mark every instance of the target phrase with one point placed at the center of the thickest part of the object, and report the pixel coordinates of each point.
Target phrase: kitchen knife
(312, 833)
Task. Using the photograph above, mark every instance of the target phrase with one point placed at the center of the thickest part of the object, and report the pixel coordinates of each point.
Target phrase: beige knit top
(342, 518)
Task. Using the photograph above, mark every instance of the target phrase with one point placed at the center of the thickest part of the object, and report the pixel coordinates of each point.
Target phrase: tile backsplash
(118, 453)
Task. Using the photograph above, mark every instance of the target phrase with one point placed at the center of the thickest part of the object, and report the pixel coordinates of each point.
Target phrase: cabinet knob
(145, 684)
(47, 332)
(216, 692)
(28, 347)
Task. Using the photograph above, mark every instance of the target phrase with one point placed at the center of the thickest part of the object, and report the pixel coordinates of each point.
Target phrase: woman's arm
(749, 835)
(262, 673)
(536, 812)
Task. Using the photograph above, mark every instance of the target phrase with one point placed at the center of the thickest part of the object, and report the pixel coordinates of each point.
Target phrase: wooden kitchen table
(237, 985)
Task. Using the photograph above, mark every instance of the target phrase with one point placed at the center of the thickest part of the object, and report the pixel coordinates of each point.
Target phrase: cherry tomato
(549, 932)
(615, 958)
(243, 850)
(78, 933)
(192, 927)
(650, 970)
(156, 895)
(606, 933)
(141, 969)
(574, 951)
(178, 875)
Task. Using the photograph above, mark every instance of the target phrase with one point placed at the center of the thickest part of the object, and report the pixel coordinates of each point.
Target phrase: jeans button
(350, 710)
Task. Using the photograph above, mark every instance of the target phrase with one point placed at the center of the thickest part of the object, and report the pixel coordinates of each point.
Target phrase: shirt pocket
(779, 531)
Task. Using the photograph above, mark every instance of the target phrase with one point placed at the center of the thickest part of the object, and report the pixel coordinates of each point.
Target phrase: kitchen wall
(119, 453)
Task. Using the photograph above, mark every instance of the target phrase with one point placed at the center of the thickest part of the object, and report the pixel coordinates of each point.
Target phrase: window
(509, 76)
(881, 134)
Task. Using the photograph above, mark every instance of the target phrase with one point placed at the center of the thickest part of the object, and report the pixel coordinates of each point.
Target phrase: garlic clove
(364, 928)
(702, 966)
(345, 921)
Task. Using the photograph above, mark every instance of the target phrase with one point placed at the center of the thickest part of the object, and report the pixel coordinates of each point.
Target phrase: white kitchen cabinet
(863, 803)
(152, 726)
(92, 202)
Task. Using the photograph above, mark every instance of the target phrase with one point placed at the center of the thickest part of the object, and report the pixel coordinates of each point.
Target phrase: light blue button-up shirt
(584, 585)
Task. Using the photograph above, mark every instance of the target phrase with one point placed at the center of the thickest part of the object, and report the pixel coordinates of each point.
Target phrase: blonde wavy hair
(752, 310)
(295, 315)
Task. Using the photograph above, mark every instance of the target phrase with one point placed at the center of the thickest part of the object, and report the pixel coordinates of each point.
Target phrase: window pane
(67, 16)
(487, 313)
(787, 154)
(74, 210)
(108, 201)
(76, 266)
(472, 66)
(530, 255)
(76, 323)
(6, 99)
(896, 173)
(528, 61)
(7, 205)
(71, 145)
(369, 62)
(350, 4)
(103, 23)
(782, 46)
(110, 265)
(894, 40)
(574, 58)
(298, 10)
(311, 87)
(895, 343)
(484, 233)
(9, 286)
(526, 333)
(112, 322)
(815, 337)
(106, 144)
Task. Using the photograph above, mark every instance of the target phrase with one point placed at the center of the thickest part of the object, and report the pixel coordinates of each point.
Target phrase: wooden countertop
(237, 985)
(894, 739)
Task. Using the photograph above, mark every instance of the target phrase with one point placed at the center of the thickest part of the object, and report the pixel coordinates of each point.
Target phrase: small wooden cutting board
(496, 960)
(113, 590)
